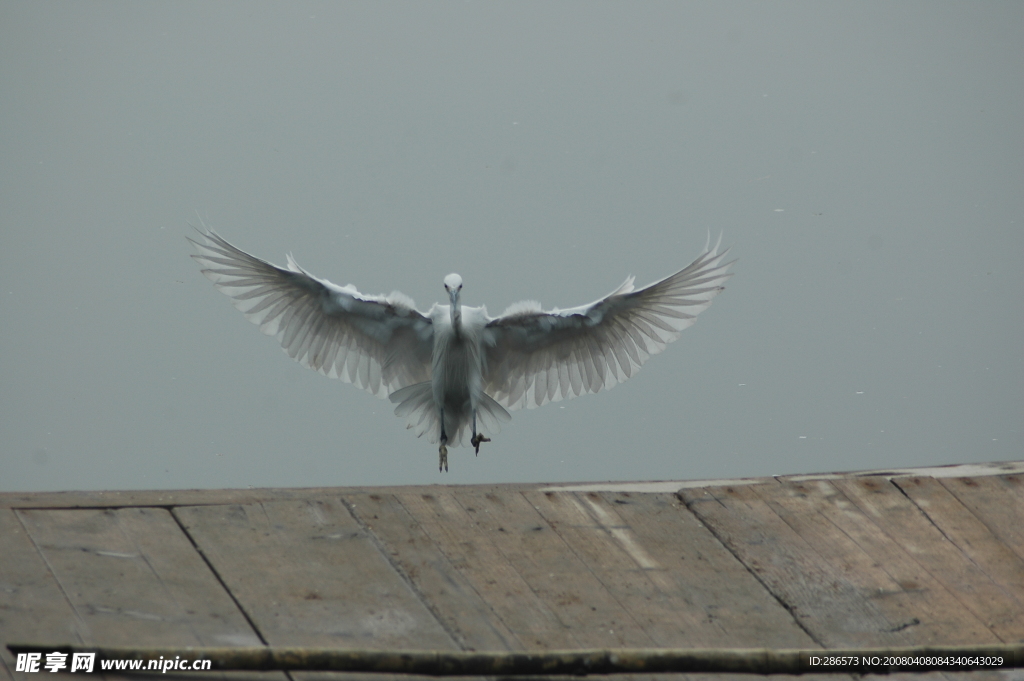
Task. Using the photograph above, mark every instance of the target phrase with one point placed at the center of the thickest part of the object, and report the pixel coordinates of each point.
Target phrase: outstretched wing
(377, 343)
(535, 357)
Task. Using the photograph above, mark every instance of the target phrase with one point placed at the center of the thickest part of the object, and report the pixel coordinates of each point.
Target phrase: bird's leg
(478, 438)
(442, 451)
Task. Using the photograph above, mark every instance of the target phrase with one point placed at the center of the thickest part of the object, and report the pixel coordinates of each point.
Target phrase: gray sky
(864, 159)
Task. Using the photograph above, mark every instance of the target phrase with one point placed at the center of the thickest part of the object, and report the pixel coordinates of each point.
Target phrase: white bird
(454, 370)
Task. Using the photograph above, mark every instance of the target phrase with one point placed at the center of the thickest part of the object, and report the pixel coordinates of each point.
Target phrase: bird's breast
(456, 366)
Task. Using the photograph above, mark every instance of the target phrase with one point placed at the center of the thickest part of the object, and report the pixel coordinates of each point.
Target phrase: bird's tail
(490, 416)
(416, 405)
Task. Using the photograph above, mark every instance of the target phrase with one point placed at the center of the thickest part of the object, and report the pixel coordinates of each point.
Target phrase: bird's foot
(477, 440)
(442, 458)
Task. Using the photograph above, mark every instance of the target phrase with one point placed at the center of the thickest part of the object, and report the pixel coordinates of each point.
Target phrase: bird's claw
(442, 458)
(477, 440)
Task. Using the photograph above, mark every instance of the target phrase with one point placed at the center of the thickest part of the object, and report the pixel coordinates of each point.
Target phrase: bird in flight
(454, 372)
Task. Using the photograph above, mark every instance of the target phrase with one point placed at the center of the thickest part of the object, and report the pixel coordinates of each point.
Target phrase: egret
(454, 372)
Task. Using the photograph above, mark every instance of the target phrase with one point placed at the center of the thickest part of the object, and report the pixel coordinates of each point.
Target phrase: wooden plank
(554, 572)
(621, 567)
(155, 498)
(828, 597)
(996, 501)
(208, 497)
(131, 577)
(905, 591)
(646, 563)
(895, 507)
(703, 575)
(951, 544)
(828, 600)
(476, 554)
(450, 596)
(307, 574)
(857, 550)
(518, 567)
(542, 592)
(211, 497)
(32, 606)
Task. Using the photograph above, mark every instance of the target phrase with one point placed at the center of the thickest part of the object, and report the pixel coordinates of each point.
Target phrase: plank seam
(774, 506)
(884, 568)
(718, 537)
(960, 549)
(512, 641)
(82, 625)
(220, 580)
(540, 599)
(455, 636)
(604, 529)
(994, 531)
(932, 520)
(963, 553)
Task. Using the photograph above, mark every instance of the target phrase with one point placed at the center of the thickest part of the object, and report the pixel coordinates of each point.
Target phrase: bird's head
(453, 285)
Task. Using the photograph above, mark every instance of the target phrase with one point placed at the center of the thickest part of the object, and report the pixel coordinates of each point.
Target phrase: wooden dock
(885, 558)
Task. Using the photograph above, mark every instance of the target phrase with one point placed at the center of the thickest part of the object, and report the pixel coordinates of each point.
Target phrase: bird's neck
(456, 316)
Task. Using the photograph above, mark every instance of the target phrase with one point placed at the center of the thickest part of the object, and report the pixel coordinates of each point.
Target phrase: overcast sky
(865, 161)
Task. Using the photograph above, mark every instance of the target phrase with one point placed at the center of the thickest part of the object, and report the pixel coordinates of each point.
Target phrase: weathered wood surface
(32, 605)
(958, 555)
(306, 573)
(96, 575)
(201, 497)
(862, 560)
